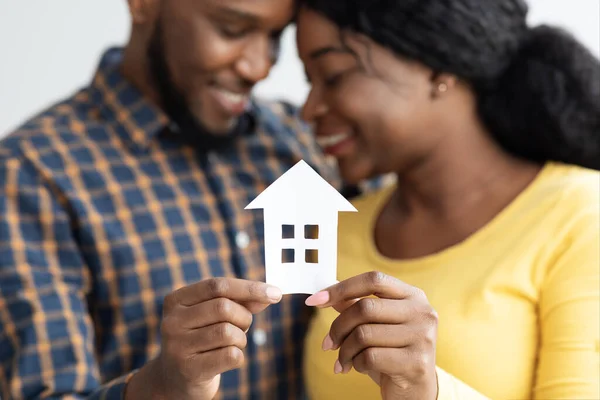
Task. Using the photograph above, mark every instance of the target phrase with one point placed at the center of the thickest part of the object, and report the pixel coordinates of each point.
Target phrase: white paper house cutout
(293, 205)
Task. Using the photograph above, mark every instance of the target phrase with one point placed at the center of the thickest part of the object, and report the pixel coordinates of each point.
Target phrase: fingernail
(273, 293)
(317, 299)
(337, 368)
(327, 343)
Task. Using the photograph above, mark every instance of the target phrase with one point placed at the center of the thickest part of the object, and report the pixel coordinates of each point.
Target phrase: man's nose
(257, 60)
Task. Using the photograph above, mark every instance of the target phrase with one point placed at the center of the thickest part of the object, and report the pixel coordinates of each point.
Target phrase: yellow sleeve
(451, 388)
(569, 359)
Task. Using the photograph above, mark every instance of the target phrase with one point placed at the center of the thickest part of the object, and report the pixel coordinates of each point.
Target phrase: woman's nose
(314, 107)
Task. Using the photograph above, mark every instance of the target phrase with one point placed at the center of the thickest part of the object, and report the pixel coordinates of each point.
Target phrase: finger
(238, 290)
(374, 335)
(323, 297)
(213, 337)
(212, 312)
(206, 366)
(369, 283)
(370, 311)
(393, 362)
(344, 305)
(255, 308)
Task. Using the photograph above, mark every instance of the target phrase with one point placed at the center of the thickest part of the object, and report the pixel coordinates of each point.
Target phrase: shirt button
(212, 158)
(174, 128)
(259, 337)
(242, 240)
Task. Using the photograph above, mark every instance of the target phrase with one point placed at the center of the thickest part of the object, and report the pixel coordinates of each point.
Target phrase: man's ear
(143, 11)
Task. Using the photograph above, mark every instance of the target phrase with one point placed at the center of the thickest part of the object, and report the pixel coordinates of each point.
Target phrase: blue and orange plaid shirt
(102, 214)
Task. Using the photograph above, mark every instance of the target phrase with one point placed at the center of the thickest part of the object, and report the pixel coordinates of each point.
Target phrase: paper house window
(311, 231)
(311, 253)
(300, 223)
(287, 231)
(311, 256)
(288, 256)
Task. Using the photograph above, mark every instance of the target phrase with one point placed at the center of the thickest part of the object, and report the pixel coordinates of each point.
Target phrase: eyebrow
(232, 13)
(326, 50)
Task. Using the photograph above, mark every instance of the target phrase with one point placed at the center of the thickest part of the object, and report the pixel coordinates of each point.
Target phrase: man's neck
(135, 70)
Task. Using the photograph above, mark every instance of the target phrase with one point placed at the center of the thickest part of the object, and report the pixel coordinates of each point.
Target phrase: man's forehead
(256, 7)
(270, 12)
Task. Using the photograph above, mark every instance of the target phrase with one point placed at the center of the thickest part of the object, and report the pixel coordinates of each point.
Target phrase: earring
(443, 87)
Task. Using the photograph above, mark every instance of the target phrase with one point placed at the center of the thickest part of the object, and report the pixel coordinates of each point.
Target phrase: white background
(48, 49)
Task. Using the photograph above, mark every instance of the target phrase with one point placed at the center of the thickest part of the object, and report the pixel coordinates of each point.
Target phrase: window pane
(287, 256)
(311, 256)
(287, 231)
(311, 231)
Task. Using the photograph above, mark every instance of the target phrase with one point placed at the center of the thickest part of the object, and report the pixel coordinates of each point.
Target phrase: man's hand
(203, 331)
(387, 330)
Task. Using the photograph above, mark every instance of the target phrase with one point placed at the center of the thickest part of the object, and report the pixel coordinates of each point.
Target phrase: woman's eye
(333, 80)
(232, 33)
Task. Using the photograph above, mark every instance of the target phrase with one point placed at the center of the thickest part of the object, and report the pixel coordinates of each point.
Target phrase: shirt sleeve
(46, 333)
(569, 359)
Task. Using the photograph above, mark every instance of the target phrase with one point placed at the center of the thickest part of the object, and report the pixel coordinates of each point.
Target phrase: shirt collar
(136, 119)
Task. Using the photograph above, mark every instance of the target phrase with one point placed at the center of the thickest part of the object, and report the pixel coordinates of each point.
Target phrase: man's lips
(232, 102)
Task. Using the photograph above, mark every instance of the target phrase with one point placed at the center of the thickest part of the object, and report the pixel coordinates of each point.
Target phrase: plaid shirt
(102, 214)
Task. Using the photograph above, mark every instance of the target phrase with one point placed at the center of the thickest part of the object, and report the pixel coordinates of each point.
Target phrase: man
(128, 266)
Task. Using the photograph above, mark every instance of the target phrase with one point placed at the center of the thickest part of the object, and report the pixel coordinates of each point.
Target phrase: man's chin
(220, 128)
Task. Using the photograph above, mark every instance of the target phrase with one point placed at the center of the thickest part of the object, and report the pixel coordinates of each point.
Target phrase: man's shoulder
(278, 107)
(278, 113)
(59, 124)
(275, 114)
(281, 119)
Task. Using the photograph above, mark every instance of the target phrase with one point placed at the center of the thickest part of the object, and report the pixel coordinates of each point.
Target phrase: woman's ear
(441, 84)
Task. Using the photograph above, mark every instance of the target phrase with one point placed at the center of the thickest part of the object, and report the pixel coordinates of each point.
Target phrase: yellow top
(518, 301)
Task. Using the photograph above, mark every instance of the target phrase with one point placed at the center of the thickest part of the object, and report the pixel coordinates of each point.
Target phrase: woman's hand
(390, 337)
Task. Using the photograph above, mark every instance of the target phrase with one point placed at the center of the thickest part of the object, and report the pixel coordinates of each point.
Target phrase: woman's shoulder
(575, 189)
(574, 219)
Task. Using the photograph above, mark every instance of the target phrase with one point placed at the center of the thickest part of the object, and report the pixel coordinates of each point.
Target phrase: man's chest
(157, 223)
(146, 226)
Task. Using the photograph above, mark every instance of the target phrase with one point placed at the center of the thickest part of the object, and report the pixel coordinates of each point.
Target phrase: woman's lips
(335, 144)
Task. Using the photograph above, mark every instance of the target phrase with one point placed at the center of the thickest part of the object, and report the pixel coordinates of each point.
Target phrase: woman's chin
(354, 172)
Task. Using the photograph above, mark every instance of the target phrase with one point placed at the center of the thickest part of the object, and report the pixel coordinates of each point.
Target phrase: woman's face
(372, 111)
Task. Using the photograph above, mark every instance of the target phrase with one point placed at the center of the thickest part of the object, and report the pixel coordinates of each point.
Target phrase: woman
(477, 274)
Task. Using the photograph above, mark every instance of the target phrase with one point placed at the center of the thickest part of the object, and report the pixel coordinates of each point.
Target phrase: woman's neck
(463, 178)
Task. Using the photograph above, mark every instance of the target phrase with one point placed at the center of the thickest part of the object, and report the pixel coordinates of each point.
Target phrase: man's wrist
(146, 383)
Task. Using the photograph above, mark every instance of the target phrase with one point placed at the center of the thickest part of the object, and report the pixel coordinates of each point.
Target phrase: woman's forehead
(314, 32)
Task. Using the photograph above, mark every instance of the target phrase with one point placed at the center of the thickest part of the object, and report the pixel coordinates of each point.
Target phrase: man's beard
(189, 128)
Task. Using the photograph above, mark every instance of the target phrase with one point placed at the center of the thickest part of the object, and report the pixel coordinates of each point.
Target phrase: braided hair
(537, 89)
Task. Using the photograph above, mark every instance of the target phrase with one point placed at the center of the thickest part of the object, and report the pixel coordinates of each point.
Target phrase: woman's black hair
(538, 89)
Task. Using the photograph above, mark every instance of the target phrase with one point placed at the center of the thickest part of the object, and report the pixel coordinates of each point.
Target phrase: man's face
(206, 55)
